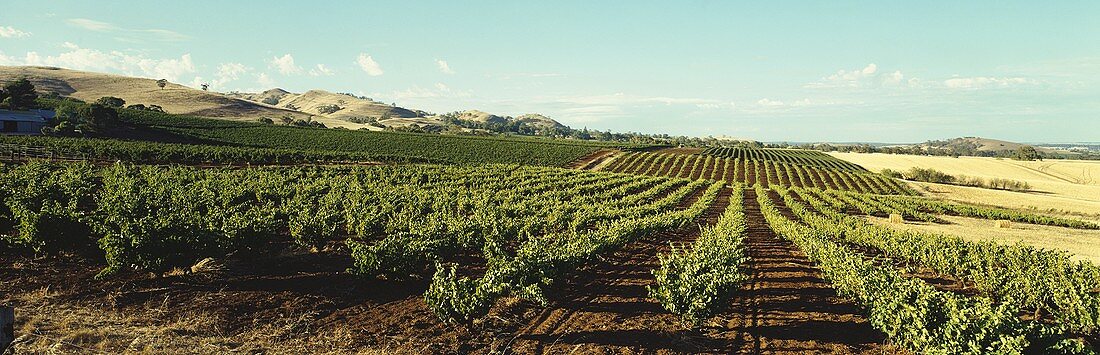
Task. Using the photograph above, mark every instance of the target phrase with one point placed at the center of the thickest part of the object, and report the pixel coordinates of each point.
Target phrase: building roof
(40, 116)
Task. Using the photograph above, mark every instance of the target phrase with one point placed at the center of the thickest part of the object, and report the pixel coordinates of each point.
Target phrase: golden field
(1068, 186)
(1083, 244)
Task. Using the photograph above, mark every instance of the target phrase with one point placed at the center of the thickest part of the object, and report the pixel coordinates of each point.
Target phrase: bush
(892, 173)
(111, 101)
(929, 175)
(327, 109)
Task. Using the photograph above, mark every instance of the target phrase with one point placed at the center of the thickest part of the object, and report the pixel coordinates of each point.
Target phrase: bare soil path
(784, 308)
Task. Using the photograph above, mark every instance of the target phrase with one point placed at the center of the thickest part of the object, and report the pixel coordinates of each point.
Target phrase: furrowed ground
(729, 250)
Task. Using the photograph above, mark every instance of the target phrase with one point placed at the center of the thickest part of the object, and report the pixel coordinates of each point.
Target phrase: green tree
(21, 94)
(162, 83)
(111, 101)
(82, 119)
(1026, 152)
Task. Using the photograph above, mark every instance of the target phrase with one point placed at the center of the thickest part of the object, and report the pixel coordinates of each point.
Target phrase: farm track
(606, 308)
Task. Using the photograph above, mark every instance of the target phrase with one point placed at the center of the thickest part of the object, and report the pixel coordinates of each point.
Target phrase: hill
(174, 98)
(332, 109)
(344, 107)
(981, 145)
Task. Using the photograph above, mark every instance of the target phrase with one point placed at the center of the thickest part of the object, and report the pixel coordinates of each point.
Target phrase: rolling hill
(174, 98)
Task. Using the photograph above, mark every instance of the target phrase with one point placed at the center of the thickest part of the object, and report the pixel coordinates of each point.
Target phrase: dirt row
(785, 306)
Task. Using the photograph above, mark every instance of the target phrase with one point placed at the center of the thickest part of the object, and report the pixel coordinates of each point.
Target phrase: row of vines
(752, 168)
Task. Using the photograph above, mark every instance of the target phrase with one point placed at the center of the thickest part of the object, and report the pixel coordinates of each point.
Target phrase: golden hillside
(174, 98)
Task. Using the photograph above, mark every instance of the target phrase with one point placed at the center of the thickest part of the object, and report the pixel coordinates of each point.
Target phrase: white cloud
(769, 102)
(11, 32)
(320, 70)
(624, 99)
(228, 72)
(868, 76)
(982, 82)
(367, 63)
(444, 67)
(440, 90)
(116, 62)
(265, 81)
(285, 65)
(128, 34)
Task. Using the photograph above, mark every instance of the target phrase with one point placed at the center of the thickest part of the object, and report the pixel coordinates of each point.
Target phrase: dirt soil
(298, 301)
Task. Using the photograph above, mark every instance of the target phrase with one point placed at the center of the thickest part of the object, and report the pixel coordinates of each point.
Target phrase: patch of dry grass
(45, 325)
(1083, 244)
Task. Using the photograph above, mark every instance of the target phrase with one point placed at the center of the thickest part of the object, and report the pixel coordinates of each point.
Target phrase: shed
(24, 122)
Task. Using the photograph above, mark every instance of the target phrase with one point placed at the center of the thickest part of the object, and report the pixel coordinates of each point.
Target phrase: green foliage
(912, 313)
(111, 101)
(44, 206)
(328, 108)
(1019, 276)
(892, 173)
(784, 167)
(694, 282)
(1026, 152)
(929, 175)
(20, 95)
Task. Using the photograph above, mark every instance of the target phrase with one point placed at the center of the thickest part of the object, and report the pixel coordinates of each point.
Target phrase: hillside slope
(315, 102)
(174, 98)
(1072, 185)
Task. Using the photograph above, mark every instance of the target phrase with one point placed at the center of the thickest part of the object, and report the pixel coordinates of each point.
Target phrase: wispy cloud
(868, 76)
(128, 34)
(229, 72)
(983, 82)
(12, 32)
(118, 62)
(444, 67)
(284, 64)
(367, 63)
(437, 91)
(265, 81)
(321, 70)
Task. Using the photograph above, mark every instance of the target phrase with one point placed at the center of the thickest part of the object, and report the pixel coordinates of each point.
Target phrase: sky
(800, 71)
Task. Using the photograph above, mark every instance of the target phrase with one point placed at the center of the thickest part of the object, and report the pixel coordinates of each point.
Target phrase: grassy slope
(1069, 185)
(1083, 244)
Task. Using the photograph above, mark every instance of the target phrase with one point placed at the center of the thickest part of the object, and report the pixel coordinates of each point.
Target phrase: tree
(111, 101)
(162, 83)
(82, 119)
(205, 86)
(1026, 152)
(21, 94)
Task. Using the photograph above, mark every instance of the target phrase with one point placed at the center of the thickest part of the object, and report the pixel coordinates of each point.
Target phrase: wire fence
(16, 152)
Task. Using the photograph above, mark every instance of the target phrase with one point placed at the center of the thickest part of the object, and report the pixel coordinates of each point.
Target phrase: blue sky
(884, 71)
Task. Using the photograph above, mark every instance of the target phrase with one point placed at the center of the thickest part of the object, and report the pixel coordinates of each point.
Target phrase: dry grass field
(1071, 186)
(1083, 244)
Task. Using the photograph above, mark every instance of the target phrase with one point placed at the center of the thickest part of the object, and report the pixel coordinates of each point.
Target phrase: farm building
(24, 122)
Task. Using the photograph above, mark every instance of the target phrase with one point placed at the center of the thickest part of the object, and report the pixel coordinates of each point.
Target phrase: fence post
(7, 326)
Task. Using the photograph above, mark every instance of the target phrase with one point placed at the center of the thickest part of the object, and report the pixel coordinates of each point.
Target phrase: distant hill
(981, 145)
(174, 98)
(344, 107)
(332, 109)
(538, 121)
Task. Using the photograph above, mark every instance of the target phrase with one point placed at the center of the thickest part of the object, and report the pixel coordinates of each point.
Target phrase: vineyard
(159, 138)
(518, 256)
(767, 167)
